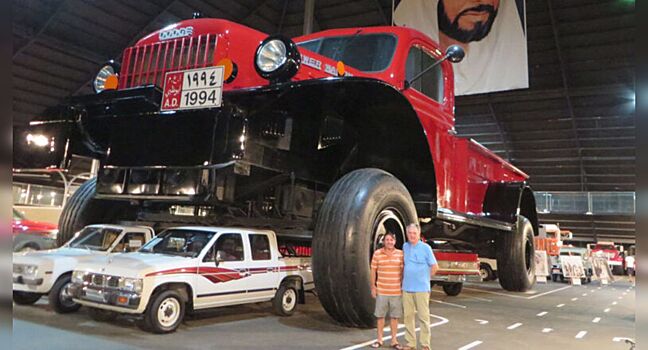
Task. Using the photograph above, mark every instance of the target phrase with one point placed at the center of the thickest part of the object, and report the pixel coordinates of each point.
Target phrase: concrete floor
(483, 316)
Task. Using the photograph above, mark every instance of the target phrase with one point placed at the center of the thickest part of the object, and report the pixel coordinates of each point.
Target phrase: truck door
(222, 282)
(263, 266)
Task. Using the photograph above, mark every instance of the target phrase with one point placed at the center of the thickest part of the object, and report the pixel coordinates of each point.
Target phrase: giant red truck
(329, 139)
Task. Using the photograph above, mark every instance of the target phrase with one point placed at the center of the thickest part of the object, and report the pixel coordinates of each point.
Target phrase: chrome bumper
(113, 297)
(456, 278)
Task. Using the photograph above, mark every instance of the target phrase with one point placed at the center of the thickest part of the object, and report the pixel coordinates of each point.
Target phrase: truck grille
(101, 281)
(147, 64)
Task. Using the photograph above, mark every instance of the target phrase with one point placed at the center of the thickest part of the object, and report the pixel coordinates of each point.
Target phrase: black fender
(347, 123)
(506, 201)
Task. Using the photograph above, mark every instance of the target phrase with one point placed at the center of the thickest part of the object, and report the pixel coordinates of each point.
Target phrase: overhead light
(38, 140)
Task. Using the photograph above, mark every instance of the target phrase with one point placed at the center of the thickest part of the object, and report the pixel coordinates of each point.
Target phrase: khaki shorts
(389, 304)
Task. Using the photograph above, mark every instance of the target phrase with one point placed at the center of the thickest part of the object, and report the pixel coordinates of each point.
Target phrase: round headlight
(271, 56)
(277, 58)
(106, 78)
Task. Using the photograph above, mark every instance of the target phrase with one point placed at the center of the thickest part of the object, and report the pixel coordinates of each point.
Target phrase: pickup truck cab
(49, 272)
(192, 268)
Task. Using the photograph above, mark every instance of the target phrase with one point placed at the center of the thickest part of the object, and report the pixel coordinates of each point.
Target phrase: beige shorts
(389, 304)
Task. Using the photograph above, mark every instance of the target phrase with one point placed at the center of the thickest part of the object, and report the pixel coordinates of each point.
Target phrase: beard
(452, 29)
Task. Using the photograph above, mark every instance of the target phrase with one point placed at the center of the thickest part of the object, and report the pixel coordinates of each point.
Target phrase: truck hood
(134, 265)
(49, 257)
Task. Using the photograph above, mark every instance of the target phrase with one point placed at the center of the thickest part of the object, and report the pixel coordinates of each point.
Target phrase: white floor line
(620, 298)
(446, 303)
(560, 305)
(547, 330)
(443, 320)
(606, 310)
(580, 334)
(574, 299)
(584, 294)
(481, 321)
(471, 345)
(614, 303)
(466, 296)
(518, 296)
(514, 326)
(596, 320)
(542, 313)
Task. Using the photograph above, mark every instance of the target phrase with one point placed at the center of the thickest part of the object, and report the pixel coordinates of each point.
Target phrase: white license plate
(193, 89)
(94, 295)
(456, 278)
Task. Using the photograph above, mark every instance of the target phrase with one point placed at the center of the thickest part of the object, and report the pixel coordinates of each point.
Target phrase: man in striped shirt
(387, 265)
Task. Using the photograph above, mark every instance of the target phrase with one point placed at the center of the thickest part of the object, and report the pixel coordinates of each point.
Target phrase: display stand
(575, 281)
(541, 279)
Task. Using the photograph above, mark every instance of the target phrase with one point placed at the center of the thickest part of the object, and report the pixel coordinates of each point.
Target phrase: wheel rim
(64, 296)
(168, 312)
(289, 299)
(484, 273)
(389, 219)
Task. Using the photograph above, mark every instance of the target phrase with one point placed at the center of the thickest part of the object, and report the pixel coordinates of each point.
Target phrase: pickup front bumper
(105, 298)
(454, 277)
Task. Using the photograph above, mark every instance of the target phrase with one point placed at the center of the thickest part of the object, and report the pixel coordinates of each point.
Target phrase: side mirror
(219, 257)
(455, 53)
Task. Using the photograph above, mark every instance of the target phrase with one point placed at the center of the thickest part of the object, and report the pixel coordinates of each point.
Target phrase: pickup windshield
(187, 243)
(366, 52)
(95, 238)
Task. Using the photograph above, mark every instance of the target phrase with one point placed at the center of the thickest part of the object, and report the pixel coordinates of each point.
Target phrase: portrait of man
(491, 32)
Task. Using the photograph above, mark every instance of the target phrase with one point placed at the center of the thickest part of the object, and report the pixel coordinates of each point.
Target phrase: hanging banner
(492, 33)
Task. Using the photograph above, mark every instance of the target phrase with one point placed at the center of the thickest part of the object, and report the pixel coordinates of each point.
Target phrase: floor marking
(514, 326)
(560, 305)
(517, 296)
(547, 330)
(443, 320)
(596, 320)
(574, 299)
(481, 321)
(614, 303)
(542, 313)
(471, 345)
(618, 339)
(451, 304)
(584, 294)
(466, 296)
(606, 310)
(620, 298)
(580, 334)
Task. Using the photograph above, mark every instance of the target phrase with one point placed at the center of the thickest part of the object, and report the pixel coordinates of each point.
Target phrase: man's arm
(434, 270)
(374, 272)
(432, 262)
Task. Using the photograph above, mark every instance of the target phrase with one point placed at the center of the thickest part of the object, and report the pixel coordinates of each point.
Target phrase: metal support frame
(309, 16)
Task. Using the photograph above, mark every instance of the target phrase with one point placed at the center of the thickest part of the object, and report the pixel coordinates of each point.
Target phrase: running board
(452, 216)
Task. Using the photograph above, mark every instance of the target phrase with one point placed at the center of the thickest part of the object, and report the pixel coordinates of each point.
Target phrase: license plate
(94, 295)
(193, 89)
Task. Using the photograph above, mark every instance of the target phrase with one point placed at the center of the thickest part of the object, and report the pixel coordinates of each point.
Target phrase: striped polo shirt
(390, 271)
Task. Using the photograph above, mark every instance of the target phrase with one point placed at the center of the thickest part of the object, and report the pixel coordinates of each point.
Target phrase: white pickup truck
(191, 268)
(38, 273)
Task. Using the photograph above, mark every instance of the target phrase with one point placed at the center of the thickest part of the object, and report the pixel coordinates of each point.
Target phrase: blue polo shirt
(418, 260)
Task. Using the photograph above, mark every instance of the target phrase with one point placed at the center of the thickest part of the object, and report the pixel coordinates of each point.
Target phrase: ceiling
(573, 129)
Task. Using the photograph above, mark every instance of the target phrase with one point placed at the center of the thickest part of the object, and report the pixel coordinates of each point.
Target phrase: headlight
(106, 78)
(30, 270)
(130, 284)
(78, 276)
(277, 58)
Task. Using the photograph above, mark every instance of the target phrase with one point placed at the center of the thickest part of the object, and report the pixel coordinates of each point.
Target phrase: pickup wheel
(486, 272)
(453, 289)
(101, 315)
(59, 298)
(164, 313)
(83, 209)
(25, 298)
(515, 257)
(285, 301)
(358, 210)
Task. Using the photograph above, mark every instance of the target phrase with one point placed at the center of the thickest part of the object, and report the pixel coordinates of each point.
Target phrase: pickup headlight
(277, 58)
(78, 276)
(131, 284)
(29, 270)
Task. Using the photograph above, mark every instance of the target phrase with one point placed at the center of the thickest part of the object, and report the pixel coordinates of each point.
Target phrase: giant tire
(515, 257)
(359, 206)
(83, 209)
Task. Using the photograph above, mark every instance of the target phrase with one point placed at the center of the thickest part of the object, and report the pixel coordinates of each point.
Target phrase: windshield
(366, 52)
(187, 243)
(95, 238)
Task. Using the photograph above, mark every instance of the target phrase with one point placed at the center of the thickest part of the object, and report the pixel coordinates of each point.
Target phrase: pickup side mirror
(219, 257)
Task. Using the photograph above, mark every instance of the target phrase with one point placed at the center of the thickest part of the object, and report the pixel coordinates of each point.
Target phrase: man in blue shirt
(420, 265)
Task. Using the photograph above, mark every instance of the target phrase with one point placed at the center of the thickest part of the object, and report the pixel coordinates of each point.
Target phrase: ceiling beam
(40, 31)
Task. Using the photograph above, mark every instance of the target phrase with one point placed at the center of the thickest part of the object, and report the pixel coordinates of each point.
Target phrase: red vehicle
(612, 252)
(455, 268)
(32, 235)
(330, 139)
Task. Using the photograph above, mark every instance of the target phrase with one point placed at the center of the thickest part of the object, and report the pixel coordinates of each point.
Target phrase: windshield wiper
(345, 45)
